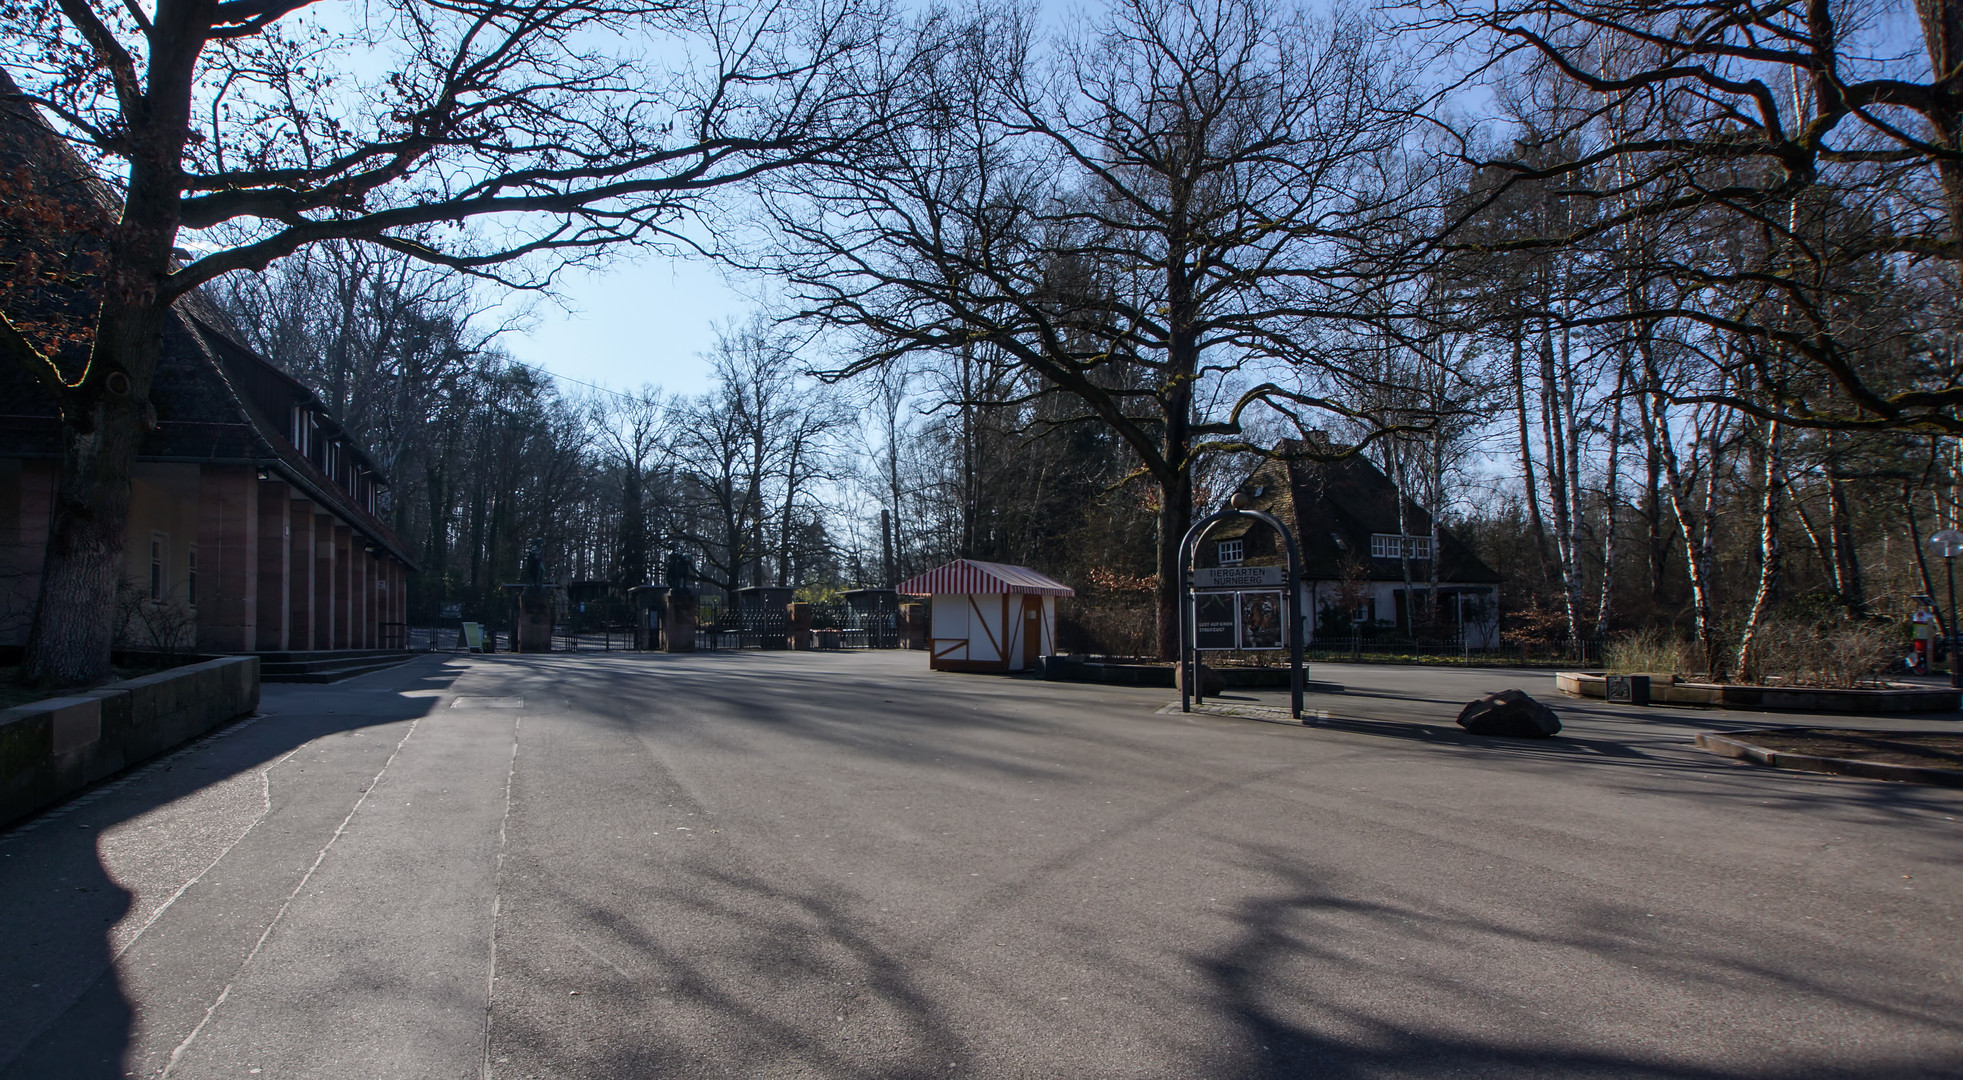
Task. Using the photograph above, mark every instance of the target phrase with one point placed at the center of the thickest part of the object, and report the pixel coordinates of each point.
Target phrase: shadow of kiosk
(1247, 608)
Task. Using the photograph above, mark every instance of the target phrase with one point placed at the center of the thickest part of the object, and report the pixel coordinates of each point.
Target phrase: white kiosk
(988, 616)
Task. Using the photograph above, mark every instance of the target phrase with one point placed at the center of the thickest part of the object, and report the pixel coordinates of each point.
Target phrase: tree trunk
(1612, 495)
(1175, 517)
(1695, 565)
(1554, 436)
(1768, 553)
(1840, 526)
(75, 621)
(1527, 449)
(107, 415)
(784, 530)
(1657, 545)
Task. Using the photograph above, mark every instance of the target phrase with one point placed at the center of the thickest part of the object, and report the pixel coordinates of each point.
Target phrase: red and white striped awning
(963, 576)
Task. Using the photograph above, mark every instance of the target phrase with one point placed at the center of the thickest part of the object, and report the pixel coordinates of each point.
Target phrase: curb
(1583, 684)
(1833, 766)
(1273, 714)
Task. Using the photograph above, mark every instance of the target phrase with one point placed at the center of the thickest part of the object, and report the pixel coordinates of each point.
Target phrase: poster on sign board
(1260, 620)
(1216, 622)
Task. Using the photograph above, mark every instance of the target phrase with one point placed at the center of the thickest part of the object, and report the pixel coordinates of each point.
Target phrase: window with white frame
(1393, 546)
(1228, 552)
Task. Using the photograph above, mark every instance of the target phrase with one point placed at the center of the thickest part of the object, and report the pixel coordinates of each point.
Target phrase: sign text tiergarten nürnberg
(1237, 577)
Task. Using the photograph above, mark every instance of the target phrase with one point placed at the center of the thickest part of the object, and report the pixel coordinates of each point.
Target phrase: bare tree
(1159, 202)
(749, 447)
(1795, 134)
(633, 429)
(235, 137)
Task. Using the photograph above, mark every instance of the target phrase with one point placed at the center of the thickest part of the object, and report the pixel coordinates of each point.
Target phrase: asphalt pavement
(842, 865)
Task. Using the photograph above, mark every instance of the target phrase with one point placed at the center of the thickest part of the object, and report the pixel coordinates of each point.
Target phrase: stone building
(246, 533)
(254, 519)
(1345, 518)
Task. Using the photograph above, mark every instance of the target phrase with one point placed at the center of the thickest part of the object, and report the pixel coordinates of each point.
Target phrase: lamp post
(1949, 544)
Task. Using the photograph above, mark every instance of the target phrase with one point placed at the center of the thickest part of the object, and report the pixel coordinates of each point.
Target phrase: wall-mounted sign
(1237, 577)
(1237, 620)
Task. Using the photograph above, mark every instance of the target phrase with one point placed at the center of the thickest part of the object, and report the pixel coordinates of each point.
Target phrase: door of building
(1032, 630)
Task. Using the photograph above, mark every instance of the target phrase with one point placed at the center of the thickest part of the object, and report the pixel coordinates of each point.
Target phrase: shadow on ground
(63, 1013)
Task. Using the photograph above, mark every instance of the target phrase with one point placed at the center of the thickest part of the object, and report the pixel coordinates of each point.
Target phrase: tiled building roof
(215, 400)
(972, 576)
(1334, 508)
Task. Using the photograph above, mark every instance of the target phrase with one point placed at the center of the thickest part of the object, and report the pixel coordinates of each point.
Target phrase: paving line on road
(497, 894)
(266, 808)
(278, 916)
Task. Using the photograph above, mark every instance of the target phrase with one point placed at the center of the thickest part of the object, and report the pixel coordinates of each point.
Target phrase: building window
(1228, 552)
(191, 579)
(157, 567)
(1385, 546)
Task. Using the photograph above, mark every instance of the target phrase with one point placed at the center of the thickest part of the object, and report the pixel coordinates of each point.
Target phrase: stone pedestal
(531, 624)
(798, 625)
(678, 633)
(649, 604)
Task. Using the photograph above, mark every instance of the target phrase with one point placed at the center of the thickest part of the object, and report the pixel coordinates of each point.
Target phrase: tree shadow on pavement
(63, 1009)
(1643, 757)
(1301, 986)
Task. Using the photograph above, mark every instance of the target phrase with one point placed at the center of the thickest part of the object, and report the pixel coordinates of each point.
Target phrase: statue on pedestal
(534, 604)
(532, 573)
(679, 631)
(681, 573)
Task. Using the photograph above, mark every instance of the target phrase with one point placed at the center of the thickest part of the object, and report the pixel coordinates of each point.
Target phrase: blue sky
(644, 318)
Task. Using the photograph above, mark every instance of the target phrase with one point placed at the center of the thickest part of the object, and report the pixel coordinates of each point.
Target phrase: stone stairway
(327, 665)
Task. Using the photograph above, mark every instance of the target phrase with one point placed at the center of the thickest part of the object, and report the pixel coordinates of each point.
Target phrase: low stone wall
(51, 749)
(1773, 698)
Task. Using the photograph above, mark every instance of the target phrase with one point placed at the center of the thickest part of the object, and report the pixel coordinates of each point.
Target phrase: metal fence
(721, 624)
(840, 625)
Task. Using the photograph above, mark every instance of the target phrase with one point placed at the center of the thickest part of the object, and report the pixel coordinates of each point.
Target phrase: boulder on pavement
(1211, 684)
(1509, 712)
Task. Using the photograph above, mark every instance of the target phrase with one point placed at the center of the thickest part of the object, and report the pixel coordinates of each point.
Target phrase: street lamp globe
(1947, 543)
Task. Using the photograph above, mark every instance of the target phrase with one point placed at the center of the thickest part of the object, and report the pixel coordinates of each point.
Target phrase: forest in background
(1656, 308)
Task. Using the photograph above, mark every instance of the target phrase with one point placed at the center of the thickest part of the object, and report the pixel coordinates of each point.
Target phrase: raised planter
(51, 749)
(1663, 690)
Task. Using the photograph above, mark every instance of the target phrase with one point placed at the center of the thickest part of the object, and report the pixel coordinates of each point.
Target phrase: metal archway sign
(1189, 598)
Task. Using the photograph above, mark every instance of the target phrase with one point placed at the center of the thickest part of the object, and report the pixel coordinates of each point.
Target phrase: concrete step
(311, 655)
(330, 668)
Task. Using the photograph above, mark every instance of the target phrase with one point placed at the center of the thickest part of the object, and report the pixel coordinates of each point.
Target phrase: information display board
(1216, 623)
(1260, 621)
(1240, 607)
(1237, 577)
(1237, 620)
